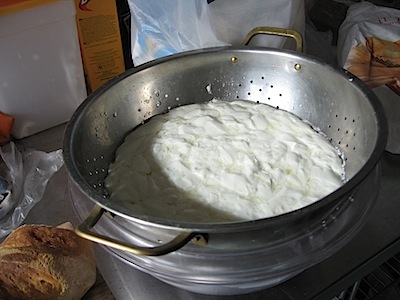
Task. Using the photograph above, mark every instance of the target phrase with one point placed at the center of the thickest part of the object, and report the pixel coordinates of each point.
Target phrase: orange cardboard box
(6, 126)
(100, 41)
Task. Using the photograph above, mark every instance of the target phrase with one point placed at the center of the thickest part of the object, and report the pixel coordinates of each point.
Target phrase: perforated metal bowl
(244, 256)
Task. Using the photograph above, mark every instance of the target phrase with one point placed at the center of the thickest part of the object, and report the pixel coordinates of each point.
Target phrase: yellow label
(100, 40)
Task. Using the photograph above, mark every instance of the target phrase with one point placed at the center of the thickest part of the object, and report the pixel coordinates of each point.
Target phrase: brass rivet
(297, 67)
(234, 60)
(200, 239)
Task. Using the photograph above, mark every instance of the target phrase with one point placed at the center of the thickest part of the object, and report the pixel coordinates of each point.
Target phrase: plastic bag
(369, 44)
(28, 173)
(369, 47)
(160, 28)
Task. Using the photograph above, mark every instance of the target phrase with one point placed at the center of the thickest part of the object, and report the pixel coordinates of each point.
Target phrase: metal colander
(336, 102)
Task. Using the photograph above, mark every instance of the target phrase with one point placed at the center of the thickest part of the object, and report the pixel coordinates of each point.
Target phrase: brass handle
(84, 230)
(276, 31)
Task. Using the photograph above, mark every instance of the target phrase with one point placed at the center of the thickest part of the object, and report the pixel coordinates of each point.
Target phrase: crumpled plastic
(28, 172)
(369, 47)
(162, 28)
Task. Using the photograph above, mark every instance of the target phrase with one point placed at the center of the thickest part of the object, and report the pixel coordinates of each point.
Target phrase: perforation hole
(344, 139)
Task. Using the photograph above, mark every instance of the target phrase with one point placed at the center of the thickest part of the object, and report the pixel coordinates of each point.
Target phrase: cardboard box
(100, 41)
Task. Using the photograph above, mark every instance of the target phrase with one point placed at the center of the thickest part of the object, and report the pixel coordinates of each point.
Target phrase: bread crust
(44, 262)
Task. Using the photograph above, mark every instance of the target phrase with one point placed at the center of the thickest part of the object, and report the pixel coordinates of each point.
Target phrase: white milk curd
(223, 161)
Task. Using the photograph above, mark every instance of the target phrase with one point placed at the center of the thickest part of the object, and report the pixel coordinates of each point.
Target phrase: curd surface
(223, 161)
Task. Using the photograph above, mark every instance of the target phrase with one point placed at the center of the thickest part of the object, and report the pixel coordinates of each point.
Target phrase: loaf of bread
(44, 262)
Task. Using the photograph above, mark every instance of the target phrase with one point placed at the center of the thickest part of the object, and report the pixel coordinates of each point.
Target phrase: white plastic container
(41, 75)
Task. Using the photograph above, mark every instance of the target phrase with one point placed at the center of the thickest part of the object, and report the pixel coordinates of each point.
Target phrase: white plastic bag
(163, 27)
(28, 173)
(369, 47)
(369, 44)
